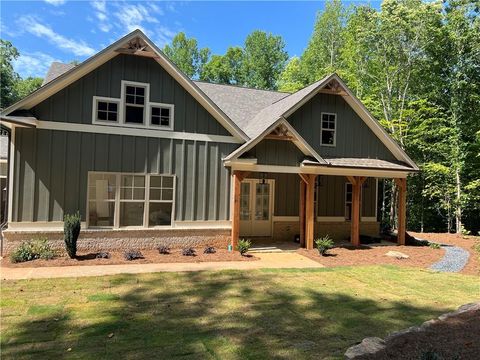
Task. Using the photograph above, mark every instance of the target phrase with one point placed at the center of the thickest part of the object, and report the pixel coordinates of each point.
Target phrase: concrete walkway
(267, 260)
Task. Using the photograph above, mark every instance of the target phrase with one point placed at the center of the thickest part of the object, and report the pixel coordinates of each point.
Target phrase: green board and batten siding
(74, 103)
(52, 168)
(353, 139)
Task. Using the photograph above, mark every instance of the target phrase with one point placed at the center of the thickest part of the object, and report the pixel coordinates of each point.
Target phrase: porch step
(267, 249)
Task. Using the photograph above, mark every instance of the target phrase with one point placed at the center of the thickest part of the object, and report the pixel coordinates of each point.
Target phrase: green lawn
(221, 315)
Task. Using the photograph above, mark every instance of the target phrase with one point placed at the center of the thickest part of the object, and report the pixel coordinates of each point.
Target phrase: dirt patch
(150, 257)
(422, 257)
(465, 242)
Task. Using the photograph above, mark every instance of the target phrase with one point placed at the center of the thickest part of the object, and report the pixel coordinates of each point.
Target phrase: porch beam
(301, 212)
(237, 177)
(402, 210)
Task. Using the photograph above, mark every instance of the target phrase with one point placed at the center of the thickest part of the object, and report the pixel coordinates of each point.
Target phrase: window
(161, 115)
(105, 109)
(120, 200)
(133, 108)
(134, 104)
(327, 135)
(348, 201)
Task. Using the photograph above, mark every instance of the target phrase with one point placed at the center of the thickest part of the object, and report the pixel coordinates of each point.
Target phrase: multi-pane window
(245, 201)
(106, 110)
(348, 201)
(119, 200)
(134, 104)
(161, 115)
(102, 189)
(328, 128)
(160, 200)
(262, 199)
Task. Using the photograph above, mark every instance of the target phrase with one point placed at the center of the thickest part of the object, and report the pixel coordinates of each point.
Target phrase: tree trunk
(458, 212)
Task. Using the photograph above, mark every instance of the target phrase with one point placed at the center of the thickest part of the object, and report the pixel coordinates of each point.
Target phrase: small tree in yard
(71, 230)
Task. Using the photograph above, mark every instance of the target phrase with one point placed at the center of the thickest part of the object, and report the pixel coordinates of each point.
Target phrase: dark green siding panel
(276, 152)
(353, 138)
(74, 103)
(52, 172)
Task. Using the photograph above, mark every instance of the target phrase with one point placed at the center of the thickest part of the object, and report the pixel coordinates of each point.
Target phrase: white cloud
(34, 27)
(163, 36)
(34, 64)
(55, 2)
(100, 8)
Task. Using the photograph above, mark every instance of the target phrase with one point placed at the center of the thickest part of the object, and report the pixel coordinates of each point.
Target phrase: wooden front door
(256, 207)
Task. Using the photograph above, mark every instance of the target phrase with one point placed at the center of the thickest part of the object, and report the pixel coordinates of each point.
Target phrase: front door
(256, 207)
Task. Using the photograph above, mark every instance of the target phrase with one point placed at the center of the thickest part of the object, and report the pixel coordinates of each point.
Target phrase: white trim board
(134, 131)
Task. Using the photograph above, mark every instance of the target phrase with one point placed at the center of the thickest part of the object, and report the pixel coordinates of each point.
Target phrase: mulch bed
(465, 242)
(150, 257)
(422, 257)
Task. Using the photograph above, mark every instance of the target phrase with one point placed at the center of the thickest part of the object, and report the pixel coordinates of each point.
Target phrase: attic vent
(333, 85)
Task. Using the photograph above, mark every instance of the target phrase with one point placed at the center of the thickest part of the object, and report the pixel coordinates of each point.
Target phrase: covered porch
(307, 222)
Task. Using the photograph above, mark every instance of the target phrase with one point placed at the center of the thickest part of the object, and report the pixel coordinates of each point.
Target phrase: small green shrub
(243, 246)
(189, 252)
(434, 246)
(33, 249)
(324, 244)
(71, 230)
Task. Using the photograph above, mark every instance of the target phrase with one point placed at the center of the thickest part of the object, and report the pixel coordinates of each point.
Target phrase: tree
(25, 87)
(8, 77)
(184, 52)
(264, 60)
(292, 78)
(225, 69)
(322, 55)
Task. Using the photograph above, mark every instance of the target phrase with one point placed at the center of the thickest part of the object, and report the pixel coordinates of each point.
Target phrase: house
(147, 155)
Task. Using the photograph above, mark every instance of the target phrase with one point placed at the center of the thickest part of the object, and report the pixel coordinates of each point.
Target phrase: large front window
(120, 200)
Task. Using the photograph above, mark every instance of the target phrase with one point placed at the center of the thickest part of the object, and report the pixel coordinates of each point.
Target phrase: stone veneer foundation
(95, 240)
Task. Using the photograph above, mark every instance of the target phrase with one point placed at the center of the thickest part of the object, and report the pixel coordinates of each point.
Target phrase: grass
(297, 314)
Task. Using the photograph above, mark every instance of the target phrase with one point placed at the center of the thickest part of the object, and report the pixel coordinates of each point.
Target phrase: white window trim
(96, 100)
(121, 109)
(116, 218)
(334, 130)
(161, 105)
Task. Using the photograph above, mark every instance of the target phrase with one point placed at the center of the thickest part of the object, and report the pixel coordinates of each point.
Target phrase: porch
(255, 212)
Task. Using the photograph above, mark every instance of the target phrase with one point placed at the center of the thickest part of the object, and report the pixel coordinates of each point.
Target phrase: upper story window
(328, 129)
(133, 109)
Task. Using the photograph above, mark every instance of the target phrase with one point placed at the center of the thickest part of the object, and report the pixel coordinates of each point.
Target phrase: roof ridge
(241, 87)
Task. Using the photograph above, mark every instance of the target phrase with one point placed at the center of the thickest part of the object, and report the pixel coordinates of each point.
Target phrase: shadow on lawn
(212, 315)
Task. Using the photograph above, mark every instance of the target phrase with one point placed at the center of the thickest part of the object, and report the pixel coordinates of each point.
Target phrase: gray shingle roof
(241, 104)
(363, 163)
(56, 69)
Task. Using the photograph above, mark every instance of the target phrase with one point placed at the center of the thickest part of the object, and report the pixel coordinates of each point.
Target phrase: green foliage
(434, 245)
(184, 52)
(324, 244)
(243, 246)
(8, 77)
(33, 249)
(225, 69)
(71, 230)
(25, 87)
(292, 78)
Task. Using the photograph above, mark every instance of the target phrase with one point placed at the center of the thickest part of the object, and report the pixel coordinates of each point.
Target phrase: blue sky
(59, 30)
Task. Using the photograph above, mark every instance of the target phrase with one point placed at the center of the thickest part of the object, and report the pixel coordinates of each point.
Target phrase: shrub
(324, 244)
(132, 255)
(71, 230)
(33, 249)
(164, 250)
(188, 251)
(103, 255)
(434, 245)
(243, 246)
(209, 250)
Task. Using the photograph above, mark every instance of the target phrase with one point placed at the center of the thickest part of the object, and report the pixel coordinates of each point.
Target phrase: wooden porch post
(237, 177)
(301, 212)
(402, 210)
(356, 182)
(309, 180)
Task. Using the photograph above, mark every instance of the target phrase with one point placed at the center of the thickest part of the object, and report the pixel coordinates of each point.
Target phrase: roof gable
(135, 43)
